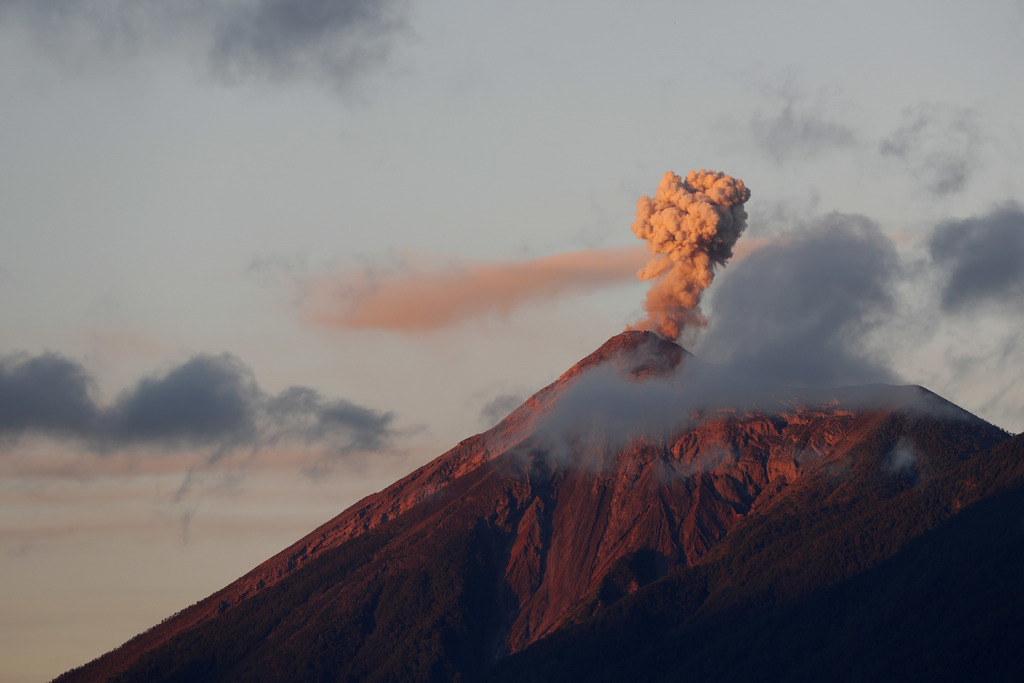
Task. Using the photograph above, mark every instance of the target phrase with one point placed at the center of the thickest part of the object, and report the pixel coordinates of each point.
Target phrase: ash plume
(691, 226)
(421, 298)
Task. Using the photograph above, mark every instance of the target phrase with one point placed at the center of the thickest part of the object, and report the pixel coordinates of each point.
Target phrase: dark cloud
(206, 402)
(304, 413)
(797, 130)
(280, 38)
(984, 258)
(327, 40)
(939, 145)
(499, 407)
(799, 311)
(46, 393)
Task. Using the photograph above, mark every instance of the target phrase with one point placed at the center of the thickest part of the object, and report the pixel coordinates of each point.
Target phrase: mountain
(921, 584)
(639, 514)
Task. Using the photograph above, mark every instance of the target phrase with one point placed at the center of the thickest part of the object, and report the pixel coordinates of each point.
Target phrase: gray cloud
(206, 402)
(609, 407)
(902, 461)
(304, 413)
(207, 399)
(799, 311)
(279, 38)
(46, 393)
(939, 144)
(984, 257)
(273, 40)
(498, 407)
(777, 217)
(606, 408)
(797, 131)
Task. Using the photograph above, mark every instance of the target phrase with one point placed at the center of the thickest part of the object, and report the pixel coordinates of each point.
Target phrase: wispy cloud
(606, 408)
(798, 129)
(498, 407)
(278, 39)
(270, 40)
(939, 145)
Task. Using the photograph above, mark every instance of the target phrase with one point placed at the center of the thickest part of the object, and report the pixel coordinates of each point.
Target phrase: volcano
(617, 526)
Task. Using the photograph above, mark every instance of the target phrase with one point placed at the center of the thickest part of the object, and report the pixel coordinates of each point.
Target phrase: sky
(260, 258)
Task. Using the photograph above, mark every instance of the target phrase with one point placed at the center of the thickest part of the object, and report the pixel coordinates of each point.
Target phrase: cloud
(420, 299)
(45, 393)
(939, 145)
(799, 311)
(794, 134)
(207, 399)
(798, 129)
(611, 405)
(498, 407)
(608, 408)
(902, 461)
(984, 259)
(303, 413)
(280, 38)
(270, 40)
(206, 402)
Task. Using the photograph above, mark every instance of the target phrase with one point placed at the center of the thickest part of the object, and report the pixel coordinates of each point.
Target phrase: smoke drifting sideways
(208, 403)
(422, 298)
(691, 227)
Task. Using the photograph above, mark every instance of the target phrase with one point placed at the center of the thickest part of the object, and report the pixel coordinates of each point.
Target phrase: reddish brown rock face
(554, 517)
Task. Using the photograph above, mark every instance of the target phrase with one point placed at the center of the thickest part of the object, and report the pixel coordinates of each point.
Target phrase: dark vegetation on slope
(783, 599)
(428, 624)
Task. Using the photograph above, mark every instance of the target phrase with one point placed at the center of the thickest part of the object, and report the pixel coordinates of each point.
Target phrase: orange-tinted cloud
(420, 300)
(691, 227)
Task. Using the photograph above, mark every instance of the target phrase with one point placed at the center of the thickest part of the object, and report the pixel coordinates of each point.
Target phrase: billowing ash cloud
(206, 402)
(939, 145)
(984, 257)
(799, 311)
(332, 40)
(691, 226)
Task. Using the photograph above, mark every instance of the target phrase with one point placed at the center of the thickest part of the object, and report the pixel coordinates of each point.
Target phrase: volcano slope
(597, 528)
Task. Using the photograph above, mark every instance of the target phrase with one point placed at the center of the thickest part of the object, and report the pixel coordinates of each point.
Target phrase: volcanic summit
(539, 549)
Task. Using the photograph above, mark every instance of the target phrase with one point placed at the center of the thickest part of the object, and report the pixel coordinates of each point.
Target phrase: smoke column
(691, 227)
